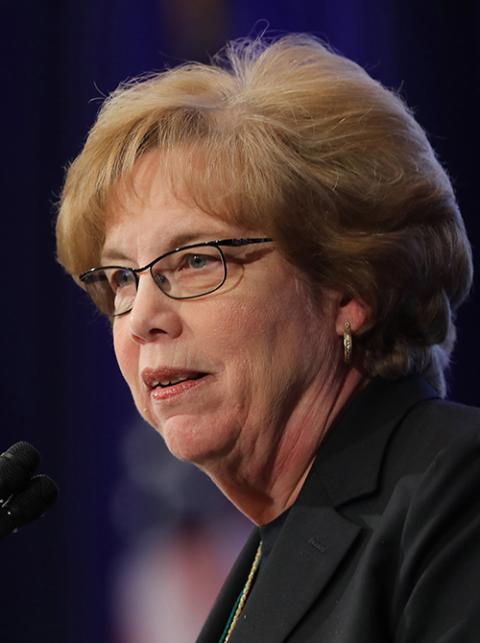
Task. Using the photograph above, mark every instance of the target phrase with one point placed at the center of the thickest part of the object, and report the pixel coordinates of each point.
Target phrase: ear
(353, 311)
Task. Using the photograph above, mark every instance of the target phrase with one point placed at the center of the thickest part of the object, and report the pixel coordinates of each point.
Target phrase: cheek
(250, 337)
(238, 331)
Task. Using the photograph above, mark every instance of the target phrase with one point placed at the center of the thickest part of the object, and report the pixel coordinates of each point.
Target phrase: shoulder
(427, 536)
(434, 457)
(448, 418)
(444, 457)
(434, 429)
(439, 540)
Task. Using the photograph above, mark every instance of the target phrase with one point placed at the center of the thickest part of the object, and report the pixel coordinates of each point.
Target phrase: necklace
(232, 621)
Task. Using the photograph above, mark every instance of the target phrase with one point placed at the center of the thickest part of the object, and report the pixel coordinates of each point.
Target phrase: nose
(154, 315)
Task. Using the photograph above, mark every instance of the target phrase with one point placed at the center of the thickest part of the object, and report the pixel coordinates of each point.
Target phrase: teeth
(174, 381)
(171, 382)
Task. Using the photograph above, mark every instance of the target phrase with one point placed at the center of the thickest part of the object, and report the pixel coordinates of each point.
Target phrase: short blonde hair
(303, 145)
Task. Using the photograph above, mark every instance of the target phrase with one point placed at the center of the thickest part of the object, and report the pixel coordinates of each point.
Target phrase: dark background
(60, 386)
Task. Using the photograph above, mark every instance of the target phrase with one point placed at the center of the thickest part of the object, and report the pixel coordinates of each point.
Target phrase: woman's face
(254, 353)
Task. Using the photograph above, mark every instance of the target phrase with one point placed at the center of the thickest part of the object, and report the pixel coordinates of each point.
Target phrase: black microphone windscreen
(33, 501)
(16, 467)
(25, 454)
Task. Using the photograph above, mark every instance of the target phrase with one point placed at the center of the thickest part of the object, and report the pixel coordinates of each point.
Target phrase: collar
(358, 438)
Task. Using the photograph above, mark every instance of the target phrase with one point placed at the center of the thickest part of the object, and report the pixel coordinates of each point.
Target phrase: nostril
(151, 334)
(156, 331)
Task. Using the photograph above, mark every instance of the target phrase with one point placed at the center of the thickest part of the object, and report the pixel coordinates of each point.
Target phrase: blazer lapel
(349, 460)
(308, 550)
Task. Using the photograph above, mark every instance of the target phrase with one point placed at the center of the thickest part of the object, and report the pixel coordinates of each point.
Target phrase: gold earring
(347, 343)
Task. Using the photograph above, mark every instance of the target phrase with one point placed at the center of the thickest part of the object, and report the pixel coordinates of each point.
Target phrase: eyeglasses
(188, 272)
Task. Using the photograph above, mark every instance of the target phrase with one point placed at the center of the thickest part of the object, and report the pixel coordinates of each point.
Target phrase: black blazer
(383, 543)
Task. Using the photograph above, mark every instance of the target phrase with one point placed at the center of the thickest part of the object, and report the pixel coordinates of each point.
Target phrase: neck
(269, 482)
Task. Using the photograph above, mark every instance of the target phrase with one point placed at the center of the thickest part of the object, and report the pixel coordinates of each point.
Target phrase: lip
(152, 377)
(157, 394)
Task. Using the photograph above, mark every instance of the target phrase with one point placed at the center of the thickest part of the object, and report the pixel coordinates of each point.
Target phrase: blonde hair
(293, 140)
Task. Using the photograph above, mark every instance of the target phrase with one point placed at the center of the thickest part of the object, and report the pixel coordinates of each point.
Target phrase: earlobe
(354, 312)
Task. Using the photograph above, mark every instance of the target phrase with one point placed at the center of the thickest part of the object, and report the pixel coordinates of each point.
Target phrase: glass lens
(112, 289)
(191, 272)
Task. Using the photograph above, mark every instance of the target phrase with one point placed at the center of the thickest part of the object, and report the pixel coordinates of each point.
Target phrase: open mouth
(167, 383)
(164, 385)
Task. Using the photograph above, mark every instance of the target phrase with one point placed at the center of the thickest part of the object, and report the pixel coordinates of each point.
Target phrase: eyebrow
(177, 241)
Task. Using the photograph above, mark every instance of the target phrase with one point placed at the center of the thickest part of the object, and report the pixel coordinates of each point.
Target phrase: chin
(195, 440)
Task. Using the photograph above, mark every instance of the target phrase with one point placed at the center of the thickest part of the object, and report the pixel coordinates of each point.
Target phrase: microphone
(23, 498)
(28, 505)
(16, 467)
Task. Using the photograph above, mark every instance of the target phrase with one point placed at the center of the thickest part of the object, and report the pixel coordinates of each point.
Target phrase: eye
(197, 261)
(121, 278)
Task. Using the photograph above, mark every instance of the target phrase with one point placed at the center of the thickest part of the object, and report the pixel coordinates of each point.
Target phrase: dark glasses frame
(89, 277)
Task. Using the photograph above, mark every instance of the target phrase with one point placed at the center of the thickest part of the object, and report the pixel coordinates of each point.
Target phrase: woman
(281, 256)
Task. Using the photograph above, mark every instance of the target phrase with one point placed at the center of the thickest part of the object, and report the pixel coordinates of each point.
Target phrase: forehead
(148, 187)
(147, 212)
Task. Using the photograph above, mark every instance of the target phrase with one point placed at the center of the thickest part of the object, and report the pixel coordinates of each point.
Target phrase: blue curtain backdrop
(60, 386)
